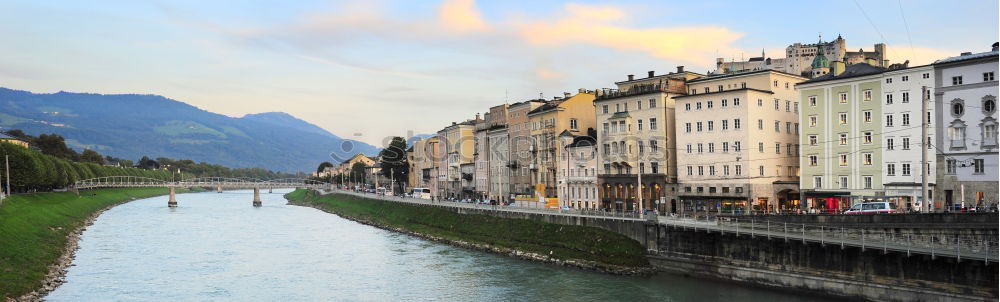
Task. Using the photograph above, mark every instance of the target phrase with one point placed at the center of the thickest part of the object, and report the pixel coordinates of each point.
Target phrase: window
(813, 160)
(760, 124)
(812, 120)
(989, 106)
(777, 126)
(652, 124)
(843, 139)
(654, 167)
(906, 143)
(989, 135)
(725, 147)
(687, 107)
(926, 75)
(868, 181)
(760, 103)
(652, 146)
(843, 159)
(725, 171)
(888, 80)
(701, 170)
(866, 137)
(607, 149)
(812, 101)
(606, 128)
(867, 95)
(866, 159)
(788, 106)
(687, 127)
(817, 182)
(638, 124)
(760, 147)
(843, 98)
(777, 148)
(641, 147)
(689, 148)
(700, 149)
(761, 170)
(957, 135)
(725, 124)
(795, 107)
(979, 166)
(572, 124)
(708, 104)
(777, 105)
(905, 78)
(906, 97)
(736, 124)
(890, 169)
(605, 109)
(711, 125)
(888, 99)
(638, 105)
(950, 166)
(888, 144)
(711, 147)
(736, 102)
(697, 106)
(867, 115)
(843, 118)
(738, 169)
(987, 76)
(888, 120)
(720, 87)
(698, 126)
(724, 103)
(843, 182)
(956, 80)
(775, 83)
(652, 104)
(813, 140)
(736, 146)
(796, 128)
(690, 170)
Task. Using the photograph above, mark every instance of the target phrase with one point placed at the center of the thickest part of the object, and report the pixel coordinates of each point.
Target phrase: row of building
(753, 136)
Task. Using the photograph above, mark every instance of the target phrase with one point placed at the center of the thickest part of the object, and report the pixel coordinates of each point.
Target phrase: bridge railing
(960, 247)
(134, 181)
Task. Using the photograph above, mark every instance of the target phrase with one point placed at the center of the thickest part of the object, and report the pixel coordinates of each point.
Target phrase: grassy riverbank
(603, 248)
(34, 231)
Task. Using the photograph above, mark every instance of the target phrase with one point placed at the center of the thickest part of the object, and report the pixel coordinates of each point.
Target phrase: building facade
(482, 157)
(577, 170)
(965, 96)
(458, 145)
(902, 92)
(738, 136)
(636, 136)
(574, 114)
(498, 150)
(519, 141)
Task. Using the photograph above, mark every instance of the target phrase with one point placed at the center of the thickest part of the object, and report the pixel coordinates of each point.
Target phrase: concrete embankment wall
(967, 226)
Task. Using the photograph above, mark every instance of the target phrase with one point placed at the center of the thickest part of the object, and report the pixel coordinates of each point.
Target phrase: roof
(548, 106)
(583, 141)
(356, 156)
(856, 70)
(740, 73)
(4, 136)
(967, 57)
(724, 91)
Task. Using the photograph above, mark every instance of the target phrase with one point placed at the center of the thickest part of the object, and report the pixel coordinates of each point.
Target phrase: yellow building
(345, 166)
(573, 114)
(13, 140)
(457, 148)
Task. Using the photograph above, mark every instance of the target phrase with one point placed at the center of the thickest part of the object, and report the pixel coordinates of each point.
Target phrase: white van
(422, 193)
(880, 207)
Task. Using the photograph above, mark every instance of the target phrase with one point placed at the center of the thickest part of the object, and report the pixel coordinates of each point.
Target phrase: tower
(820, 64)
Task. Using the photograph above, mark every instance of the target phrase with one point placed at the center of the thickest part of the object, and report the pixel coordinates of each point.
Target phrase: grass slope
(565, 242)
(34, 230)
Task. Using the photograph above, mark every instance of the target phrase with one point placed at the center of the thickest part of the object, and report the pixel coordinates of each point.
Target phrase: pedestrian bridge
(219, 183)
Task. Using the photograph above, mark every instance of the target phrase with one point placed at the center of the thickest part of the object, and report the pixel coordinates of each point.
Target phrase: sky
(372, 69)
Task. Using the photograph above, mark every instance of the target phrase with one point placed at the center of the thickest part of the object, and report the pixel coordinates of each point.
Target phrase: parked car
(872, 208)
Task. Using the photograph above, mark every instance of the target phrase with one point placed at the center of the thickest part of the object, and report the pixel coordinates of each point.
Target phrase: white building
(965, 95)
(738, 142)
(900, 120)
(578, 172)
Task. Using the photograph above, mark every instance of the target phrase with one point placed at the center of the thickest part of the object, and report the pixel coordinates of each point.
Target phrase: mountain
(131, 126)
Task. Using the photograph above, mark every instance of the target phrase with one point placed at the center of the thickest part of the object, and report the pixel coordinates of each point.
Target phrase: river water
(217, 247)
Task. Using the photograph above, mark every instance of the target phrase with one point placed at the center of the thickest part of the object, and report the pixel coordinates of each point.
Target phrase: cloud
(462, 16)
(598, 25)
(918, 55)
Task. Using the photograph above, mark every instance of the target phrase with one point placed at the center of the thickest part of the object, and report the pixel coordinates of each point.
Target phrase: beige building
(421, 160)
(519, 141)
(498, 150)
(457, 148)
(636, 135)
(345, 166)
(738, 137)
(578, 170)
(574, 114)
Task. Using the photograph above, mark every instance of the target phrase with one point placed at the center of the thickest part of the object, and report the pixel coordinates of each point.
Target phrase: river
(217, 247)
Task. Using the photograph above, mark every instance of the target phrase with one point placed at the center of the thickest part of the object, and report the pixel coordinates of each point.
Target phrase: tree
(91, 156)
(323, 166)
(55, 145)
(394, 162)
(359, 172)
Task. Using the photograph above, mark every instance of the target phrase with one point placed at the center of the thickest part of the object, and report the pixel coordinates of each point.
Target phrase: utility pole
(6, 160)
(392, 180)
(925, 204)
(638, 189)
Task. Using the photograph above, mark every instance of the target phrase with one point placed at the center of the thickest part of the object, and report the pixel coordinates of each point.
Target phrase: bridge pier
(256, 197)
(173, 198)
(270, 190)
(218, 189)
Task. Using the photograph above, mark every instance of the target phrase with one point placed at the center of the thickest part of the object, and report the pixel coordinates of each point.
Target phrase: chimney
(566, 94)
(631, 77)
(680, 69)
(838, 67)
(454, 123)
(996, 46)
(651, 73)
(477, 116)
